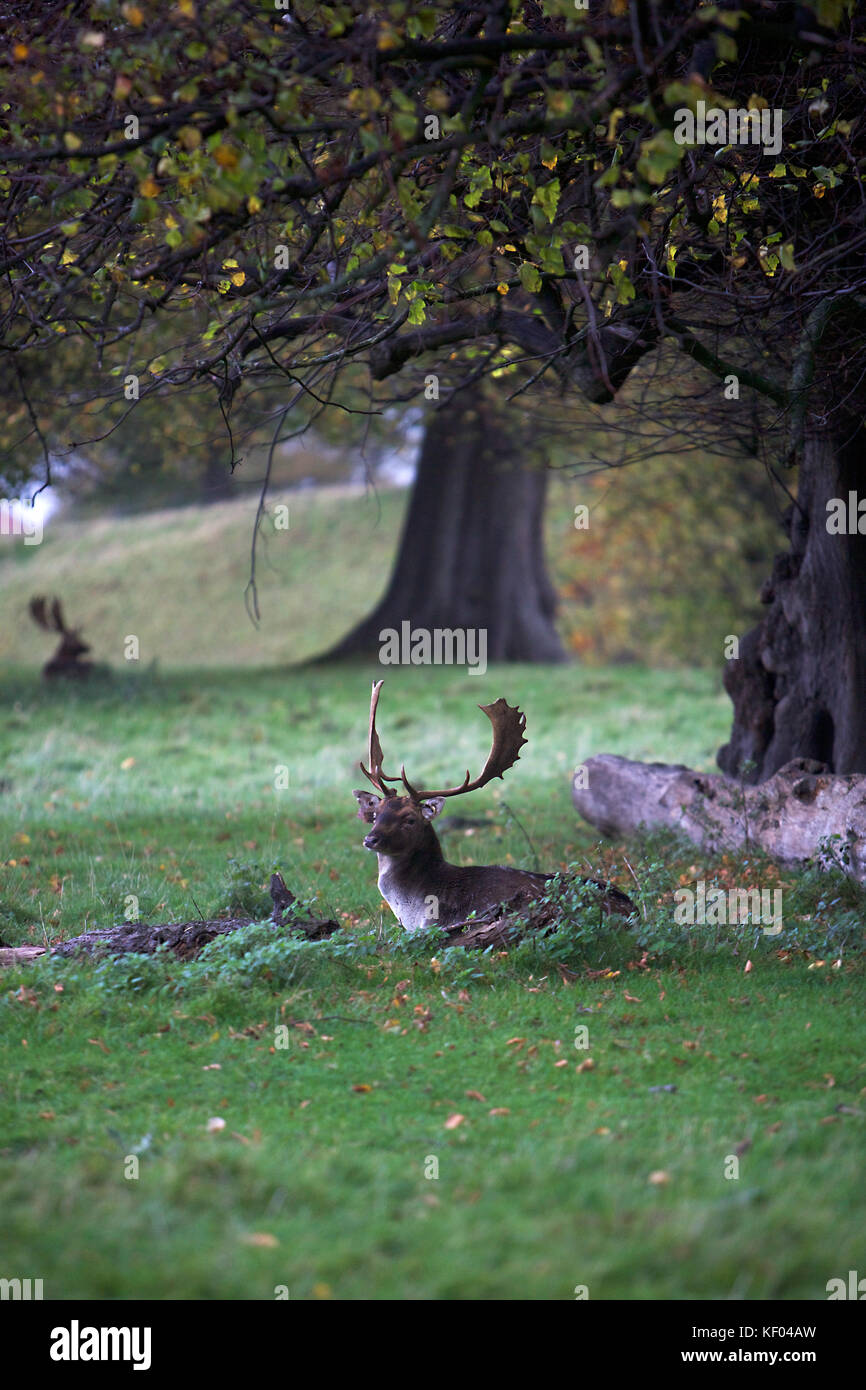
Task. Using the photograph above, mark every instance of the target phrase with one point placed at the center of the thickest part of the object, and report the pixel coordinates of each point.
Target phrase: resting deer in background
(66, 661)
(415, 879)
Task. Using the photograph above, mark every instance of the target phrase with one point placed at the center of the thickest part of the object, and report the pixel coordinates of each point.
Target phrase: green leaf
(660, 155)
(547, 198)
(482, 179)
(622, 284)
(530, 278)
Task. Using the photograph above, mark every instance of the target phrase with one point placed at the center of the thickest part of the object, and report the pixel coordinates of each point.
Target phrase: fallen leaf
(97, 1042)
(454, 1120)
(261, 1238)
(632, 998)
(362, 1087)
(474, 1095)
(747, 968)
(586, 1065)
(499, 1110)
(659, 1178)
(215, 1124)
(127, 764)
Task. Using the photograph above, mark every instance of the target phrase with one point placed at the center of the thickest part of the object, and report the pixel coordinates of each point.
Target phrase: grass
(161, 788)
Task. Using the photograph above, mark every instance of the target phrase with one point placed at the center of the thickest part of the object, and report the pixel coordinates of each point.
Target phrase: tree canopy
(314, 193)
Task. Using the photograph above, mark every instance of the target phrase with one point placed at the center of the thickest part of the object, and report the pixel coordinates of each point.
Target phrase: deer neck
(408, 881)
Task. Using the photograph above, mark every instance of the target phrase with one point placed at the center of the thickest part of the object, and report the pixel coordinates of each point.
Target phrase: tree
(471, 554)
(491, 184)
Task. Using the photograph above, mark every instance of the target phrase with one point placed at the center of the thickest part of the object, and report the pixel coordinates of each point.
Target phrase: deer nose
(371, 840)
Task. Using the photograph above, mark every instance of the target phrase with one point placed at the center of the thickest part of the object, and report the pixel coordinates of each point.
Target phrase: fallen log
(792, 816)
(184, 939)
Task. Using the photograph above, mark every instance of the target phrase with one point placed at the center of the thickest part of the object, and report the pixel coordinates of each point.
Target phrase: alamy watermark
(19, 518)
(714, 907)
(714, 125)
(438, 646)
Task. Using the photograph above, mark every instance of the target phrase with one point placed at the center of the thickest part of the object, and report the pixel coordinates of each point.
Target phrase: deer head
(401, 821)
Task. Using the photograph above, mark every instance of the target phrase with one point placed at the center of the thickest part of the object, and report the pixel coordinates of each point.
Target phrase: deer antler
(48, 617)
(38, 613)
(57, 615)
(374, 747)
(509, 726)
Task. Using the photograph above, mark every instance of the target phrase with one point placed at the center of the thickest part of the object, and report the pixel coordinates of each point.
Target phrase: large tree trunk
(799, 683)
(471, 554)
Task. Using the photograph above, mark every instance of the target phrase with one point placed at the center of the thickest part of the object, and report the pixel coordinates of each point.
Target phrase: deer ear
(368, 804)
(430, 809)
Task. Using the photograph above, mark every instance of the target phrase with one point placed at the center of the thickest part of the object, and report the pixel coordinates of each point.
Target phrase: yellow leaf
(502, 288)
(148, 188)
(134, 15)
(19, 52)
(254, 204)
(226, 157)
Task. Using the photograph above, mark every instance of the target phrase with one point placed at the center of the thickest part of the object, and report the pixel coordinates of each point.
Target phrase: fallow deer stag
(66, 661)
(420, 886)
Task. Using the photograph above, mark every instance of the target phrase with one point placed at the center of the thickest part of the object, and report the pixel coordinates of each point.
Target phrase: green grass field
(400, 1121)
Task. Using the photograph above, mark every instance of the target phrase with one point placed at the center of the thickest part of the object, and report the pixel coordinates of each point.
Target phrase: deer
(419, 885)
(66, 661)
